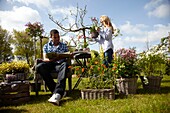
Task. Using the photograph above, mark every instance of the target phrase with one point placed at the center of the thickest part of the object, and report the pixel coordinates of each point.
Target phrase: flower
(124, 63)
(97, 74)
(14, 67)
(152, 63)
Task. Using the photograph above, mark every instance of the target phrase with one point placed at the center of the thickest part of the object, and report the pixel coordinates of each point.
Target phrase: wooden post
(84, 36)
(41, 51)
(34, 39)
(169, 42)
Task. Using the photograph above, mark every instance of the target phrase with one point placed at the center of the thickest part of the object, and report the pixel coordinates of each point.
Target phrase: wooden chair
(38, 79)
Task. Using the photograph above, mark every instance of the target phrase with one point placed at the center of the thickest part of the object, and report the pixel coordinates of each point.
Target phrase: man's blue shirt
(49, 47)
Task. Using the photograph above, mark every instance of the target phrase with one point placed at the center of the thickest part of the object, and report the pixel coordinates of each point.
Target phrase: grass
(142, 102)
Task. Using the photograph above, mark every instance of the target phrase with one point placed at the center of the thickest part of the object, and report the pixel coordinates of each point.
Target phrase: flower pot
(98, 93)
(153, 82)
(94, 34)
(127, 85)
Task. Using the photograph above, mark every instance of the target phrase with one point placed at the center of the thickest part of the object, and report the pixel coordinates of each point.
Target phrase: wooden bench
(38, 79)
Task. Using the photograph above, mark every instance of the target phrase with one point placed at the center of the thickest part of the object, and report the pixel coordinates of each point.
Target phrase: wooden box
(14, 93)
(98, 93)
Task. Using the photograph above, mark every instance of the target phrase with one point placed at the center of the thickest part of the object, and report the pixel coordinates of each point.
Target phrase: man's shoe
(55, 99)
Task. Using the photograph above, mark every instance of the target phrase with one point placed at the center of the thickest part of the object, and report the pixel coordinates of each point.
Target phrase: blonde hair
(107, 22)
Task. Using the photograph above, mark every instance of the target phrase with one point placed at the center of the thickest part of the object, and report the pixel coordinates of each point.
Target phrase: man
(60, 65)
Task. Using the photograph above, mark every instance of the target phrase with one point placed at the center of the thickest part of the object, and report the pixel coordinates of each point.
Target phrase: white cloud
(64, 10)
(138, 35)
(18, 17)
(38, 3)
(64, 13)
(152, 4)
(132, 29)
(158, 32)
(158, 8)
(161, 11)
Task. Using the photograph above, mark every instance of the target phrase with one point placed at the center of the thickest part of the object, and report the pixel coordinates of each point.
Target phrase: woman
(105, 39)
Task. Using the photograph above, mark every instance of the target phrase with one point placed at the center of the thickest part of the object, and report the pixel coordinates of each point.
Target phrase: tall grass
(142, 102)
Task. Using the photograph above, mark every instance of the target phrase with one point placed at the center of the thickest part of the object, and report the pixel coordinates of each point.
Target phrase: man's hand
(46, 60)
(71, 55)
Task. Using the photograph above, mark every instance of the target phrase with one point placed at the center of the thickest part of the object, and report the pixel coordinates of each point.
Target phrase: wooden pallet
(14, 93)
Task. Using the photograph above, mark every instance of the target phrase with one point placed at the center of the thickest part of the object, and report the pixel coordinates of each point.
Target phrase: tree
(5, 49)
(23, 45)
(77, 25)
(43, 40)
(35, 30)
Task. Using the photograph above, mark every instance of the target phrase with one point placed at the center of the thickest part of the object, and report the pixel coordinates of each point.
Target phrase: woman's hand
(98, 29)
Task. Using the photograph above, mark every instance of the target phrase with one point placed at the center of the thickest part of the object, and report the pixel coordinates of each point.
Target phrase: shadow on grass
(43, 97)
(163, 90)
(72, 95)
(13, 110)
(75, 94)
(38, 99)
(165, 81)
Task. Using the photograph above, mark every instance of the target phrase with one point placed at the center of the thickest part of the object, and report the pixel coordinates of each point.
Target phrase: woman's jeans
(108, 57)
(45, 68)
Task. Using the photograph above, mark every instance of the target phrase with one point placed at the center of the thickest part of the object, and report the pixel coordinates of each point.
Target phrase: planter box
(14, 93)
(127, 85)
(15, 77)
(98, 93)
(153, 82)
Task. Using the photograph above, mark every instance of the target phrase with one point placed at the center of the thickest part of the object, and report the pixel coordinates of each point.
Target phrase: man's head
(54, 35)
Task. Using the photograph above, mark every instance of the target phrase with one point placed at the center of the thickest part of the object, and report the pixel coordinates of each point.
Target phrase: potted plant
(94, 27)
(16, 70)
(126, 70)
(98, 81)
(152, 67)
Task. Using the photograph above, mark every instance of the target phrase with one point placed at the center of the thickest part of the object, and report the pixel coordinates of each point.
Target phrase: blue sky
(140, 21)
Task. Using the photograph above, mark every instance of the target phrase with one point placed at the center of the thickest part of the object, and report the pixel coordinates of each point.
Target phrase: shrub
(14, 67)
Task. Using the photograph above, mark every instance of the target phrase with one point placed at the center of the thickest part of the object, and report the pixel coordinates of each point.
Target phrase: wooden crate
(98, 93)
(14, 93)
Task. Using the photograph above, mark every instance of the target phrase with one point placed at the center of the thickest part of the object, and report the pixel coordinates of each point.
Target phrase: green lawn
(142, 102)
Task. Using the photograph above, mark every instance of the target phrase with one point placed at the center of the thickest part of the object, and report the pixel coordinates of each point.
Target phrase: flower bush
(152, 63)
(124, 63)
(97, 74)
(14, 67)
